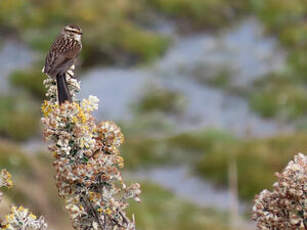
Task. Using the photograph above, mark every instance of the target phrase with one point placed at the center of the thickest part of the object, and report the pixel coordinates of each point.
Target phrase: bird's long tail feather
(63, 92)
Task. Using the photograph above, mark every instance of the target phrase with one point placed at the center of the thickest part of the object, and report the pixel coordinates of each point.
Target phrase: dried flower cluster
(19, 218)
(5, 181)
(87, 161)
(286, 206)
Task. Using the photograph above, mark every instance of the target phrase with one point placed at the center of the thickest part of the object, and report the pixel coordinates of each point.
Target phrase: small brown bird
(61, 56)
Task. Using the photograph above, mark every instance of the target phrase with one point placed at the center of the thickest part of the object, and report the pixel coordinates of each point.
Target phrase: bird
(62, 55)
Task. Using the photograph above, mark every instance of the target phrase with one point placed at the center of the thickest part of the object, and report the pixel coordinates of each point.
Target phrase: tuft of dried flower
(18, 218)
(87, 161)
(21, 218)
(286, 206)
(5, 179)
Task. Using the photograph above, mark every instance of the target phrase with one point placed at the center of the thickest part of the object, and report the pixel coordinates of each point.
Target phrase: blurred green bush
(141, 150)
(19, 117)
(257, 161)
(276, 95)
(110, 30)
(118, 30)
(31, 80)
(160, 209)
(158, 99)
(210, 151)
(13, 159)
(209, 14)
(287, 21)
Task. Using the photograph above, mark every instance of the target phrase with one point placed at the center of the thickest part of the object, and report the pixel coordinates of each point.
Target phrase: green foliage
(19, 117)
(110, 32)
(200, 13)
(257, 161)
(286, 19)
(187, 147)
(40, 39)
(221, 79)
(30, 79)
(122, 42)
(142, 43)
(279, 95)
(288, 101)
(172, 213)
(160, 99)
(140, 151)
(13, 159)
(200, 141)
(210, 151)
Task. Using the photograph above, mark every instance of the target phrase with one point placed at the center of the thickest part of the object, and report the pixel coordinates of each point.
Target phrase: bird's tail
(63, 92)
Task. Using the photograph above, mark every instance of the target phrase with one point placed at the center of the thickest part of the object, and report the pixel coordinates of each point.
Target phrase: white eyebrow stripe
(73, 30)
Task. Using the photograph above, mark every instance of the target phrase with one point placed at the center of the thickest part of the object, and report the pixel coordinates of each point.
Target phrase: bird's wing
(66, 46)
(62, 50)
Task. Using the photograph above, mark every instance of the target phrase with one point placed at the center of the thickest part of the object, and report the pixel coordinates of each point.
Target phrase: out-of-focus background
(210, 94)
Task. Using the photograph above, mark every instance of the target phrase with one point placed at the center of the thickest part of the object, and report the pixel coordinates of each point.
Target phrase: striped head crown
(72, 31)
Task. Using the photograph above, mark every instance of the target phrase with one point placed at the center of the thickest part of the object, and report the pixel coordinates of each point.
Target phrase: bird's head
(73, 31)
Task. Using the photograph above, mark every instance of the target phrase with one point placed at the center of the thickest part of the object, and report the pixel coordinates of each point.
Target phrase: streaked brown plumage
(61, 56)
